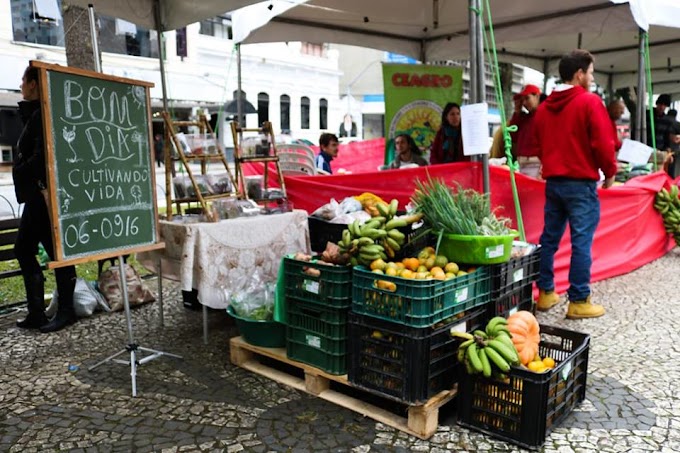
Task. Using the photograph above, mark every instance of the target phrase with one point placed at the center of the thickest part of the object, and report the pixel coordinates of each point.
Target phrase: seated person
(406, 152)
(329, 150)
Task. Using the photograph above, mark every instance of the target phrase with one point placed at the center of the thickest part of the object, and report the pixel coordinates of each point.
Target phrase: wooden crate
(422, 419)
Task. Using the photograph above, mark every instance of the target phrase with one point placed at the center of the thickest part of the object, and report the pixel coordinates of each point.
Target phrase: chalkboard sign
(100, 170)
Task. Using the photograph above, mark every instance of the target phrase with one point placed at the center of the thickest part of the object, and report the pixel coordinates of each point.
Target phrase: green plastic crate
(268, 334)
(418, 303)
(333, 287)
(476, 249)
(331, 363)
(317, 319)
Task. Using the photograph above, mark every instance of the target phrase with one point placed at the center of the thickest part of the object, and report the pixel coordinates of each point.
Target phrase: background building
(293, 85)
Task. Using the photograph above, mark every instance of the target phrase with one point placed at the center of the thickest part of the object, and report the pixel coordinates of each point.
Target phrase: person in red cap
(522, 148)
(574, 139)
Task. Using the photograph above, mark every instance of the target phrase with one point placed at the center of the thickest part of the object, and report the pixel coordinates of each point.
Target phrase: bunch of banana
(378, 238)
(668, 204)
(489, 351)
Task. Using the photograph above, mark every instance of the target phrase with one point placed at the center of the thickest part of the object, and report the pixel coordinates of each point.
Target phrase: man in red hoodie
(574, 139)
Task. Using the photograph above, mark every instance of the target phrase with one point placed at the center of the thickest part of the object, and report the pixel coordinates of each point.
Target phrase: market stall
(630, 234)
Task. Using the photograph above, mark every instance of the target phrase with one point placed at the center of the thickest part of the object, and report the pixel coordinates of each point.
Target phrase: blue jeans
(576, 202)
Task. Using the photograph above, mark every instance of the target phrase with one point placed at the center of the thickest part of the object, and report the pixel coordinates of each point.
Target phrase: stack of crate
(318, 299)
(399, 331)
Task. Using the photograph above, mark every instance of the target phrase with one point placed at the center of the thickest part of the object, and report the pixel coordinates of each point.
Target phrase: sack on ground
(109, 285)
(86, 300)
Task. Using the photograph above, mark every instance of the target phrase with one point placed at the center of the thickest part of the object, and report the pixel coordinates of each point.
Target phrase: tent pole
(159, 31)
(546, 63)
(93, 36)
(477, 83)
(640, 129)
(239, 100)
(610, 86)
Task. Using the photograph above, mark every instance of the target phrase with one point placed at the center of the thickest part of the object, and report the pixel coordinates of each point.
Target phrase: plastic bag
(109, 285)
(350, 204)
(86, 300)
(328, 211)
(256, 301)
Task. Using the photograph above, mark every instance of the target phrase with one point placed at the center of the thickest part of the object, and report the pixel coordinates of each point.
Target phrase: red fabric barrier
(355, 157)
(630, 233)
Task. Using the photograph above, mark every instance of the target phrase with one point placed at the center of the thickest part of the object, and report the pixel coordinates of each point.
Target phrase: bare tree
(77, 37)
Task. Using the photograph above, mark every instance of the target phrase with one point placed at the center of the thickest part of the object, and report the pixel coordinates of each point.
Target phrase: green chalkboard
(99, 163)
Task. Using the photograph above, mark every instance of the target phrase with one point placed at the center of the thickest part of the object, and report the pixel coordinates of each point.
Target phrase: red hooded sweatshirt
(573, 136)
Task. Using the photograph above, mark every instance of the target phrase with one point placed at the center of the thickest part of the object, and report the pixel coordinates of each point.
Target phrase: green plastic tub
(476, 249)
(267, 334)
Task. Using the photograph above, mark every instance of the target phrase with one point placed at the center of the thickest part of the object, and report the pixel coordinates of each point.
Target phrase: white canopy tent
(173, 13)
(533, 33)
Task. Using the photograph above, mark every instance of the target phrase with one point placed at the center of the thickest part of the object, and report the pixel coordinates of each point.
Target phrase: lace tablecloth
(221, 259)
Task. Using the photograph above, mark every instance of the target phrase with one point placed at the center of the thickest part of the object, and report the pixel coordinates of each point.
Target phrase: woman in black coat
(30, 182)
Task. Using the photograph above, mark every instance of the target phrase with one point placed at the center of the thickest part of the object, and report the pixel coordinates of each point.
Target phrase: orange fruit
(391, 271)
(549, 362)
(407, 273)
(536, 367)
(411, 263)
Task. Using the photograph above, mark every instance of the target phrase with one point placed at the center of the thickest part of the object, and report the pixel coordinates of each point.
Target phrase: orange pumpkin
(525, 335)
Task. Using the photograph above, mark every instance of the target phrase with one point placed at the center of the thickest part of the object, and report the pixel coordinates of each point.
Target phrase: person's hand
(608, 182)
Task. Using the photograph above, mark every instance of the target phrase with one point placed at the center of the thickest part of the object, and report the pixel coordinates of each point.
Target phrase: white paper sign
(475, 128)
(634, 152)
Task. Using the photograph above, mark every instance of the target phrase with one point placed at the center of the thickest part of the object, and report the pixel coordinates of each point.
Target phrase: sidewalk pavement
(50, 402)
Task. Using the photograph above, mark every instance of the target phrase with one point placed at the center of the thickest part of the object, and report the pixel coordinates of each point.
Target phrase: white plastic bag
(86, 300)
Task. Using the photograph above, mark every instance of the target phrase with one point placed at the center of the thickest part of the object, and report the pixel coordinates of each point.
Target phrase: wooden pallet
(422, 419)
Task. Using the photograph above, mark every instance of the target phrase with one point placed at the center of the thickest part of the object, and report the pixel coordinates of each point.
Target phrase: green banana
(481, 334)
(486, 366)
(500, 328)
(363, 241)
(383, 209)
(473, 357)
(346, 237)
(497, 360)
(354, 228)
(372, 248)
(394, 245)
(464, 335)
(396, 235)
(370, 224)
(394, 204)
(509, 354)
(461, 355)
(370, 233)
(396, 223)
(466, 344)
(379, 219)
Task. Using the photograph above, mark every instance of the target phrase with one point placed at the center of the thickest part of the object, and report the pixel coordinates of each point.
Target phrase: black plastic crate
(512, 275)
(322, 231)
(524, 408)
(333, 287)
(521, 298)
(406, 364)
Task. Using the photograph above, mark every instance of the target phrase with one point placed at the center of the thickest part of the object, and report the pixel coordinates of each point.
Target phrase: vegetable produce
(464, 211)
(525, 335)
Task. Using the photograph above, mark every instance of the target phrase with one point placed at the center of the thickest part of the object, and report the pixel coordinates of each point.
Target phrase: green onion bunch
(459, 211)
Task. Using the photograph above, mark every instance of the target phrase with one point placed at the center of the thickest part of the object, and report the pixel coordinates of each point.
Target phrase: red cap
(530, 89)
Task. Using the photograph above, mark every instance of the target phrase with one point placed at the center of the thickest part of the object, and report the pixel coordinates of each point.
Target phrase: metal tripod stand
(133, 348)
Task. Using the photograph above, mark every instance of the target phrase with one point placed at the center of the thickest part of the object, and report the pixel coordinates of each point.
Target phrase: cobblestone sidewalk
(50, 402)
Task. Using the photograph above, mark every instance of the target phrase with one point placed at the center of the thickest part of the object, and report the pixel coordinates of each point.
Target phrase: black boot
(35, 297)
(66, 314)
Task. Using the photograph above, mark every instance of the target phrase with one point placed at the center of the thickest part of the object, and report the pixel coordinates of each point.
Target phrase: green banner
(415, 96)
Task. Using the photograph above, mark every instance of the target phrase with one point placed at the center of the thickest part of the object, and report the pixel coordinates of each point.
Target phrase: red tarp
(630, 233)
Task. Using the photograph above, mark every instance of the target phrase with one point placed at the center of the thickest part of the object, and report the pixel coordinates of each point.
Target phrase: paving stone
(203, 403)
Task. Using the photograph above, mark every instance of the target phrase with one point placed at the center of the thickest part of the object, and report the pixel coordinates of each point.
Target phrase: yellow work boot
(580, 309)
(546, 300)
